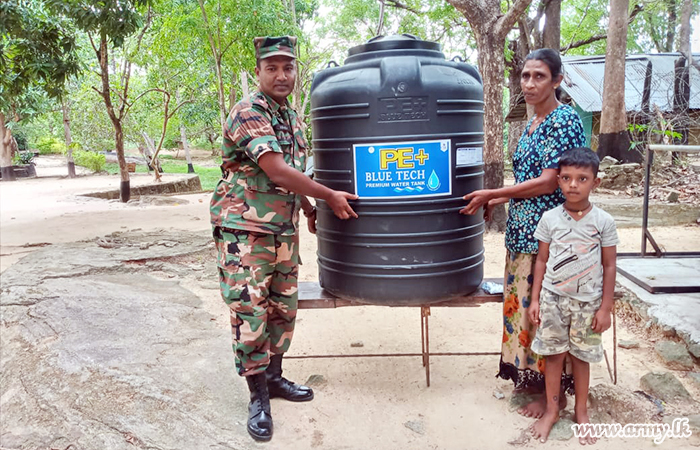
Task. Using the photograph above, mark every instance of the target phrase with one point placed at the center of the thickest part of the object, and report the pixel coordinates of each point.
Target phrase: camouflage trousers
(258, 281)
(565, 326)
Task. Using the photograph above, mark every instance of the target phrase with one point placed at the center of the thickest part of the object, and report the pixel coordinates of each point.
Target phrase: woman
(553, 129)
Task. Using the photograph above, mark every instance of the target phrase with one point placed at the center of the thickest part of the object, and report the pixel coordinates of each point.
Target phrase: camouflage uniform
(255, 226)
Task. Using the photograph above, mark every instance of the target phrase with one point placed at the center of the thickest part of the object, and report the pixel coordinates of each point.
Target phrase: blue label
(403, 169)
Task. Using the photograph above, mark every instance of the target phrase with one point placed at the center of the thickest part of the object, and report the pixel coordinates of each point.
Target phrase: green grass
(208, 176)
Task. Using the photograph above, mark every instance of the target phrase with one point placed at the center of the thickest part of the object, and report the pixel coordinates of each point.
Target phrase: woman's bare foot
(538, 407)
(535, 408)
(541, 428)
(588, 438)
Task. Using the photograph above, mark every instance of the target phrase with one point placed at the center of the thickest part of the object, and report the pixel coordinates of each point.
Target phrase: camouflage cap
(267, 46)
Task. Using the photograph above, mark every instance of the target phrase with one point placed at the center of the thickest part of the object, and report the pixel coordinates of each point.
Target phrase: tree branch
(688, 57)
(598, 37)
(139, 96)
(583, 17)
(398, 5)
(506, 21)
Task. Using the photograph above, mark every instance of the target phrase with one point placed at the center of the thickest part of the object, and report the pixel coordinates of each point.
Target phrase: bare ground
(361, 402)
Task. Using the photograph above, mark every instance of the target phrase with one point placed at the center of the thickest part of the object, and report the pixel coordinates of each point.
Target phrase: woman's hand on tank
(338, 201)
(476, 200)
(488, 210)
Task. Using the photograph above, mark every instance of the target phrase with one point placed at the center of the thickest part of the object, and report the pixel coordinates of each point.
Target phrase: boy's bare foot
(538, 407)
(541, 428)
(588, 439)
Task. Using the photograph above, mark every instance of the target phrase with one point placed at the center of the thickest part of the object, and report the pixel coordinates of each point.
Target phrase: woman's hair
(549, 57)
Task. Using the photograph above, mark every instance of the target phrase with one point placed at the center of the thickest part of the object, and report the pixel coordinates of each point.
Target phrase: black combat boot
(259, 417)
(282, 387)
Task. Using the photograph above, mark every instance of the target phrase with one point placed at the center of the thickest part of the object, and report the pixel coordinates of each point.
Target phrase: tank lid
(394, 42)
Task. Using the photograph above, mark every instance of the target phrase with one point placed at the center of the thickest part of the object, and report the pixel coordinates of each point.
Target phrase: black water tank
(403, 128)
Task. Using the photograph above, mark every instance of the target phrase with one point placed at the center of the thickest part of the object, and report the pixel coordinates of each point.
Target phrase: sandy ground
(364, 402)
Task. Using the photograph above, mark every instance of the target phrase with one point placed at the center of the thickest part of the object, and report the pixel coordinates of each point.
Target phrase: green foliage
(37, 56)
(90, 160)
(116, 19)
(581, 19)
(355, 21)
(21, 140)
(22, 158)
(50, 146)
(643, 128)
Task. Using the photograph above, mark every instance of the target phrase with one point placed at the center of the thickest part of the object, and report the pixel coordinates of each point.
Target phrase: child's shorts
(565, 326)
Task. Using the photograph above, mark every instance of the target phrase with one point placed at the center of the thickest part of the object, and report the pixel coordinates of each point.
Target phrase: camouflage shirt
(245, 198)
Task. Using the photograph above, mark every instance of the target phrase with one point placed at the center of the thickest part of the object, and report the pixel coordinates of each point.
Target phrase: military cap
(267, 46)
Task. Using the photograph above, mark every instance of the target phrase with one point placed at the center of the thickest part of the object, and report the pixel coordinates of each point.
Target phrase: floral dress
(561, 130)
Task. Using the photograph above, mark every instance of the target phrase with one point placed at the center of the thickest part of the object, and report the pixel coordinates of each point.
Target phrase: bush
(90, 160)
(21, 139)
(50, 145)
(22, 158)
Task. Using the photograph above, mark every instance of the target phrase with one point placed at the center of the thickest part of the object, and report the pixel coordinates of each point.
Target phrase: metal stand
(647, 236)
(425, 340)
(312, 296)
(648, 160)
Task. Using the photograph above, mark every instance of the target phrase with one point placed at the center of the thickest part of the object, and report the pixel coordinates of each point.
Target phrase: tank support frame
(312, 296)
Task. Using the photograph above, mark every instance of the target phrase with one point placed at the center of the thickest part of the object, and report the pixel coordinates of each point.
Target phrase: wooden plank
(312, 296)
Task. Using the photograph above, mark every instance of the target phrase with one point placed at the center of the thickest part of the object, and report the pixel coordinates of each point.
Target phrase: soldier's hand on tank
(476, 200)
(338, 202)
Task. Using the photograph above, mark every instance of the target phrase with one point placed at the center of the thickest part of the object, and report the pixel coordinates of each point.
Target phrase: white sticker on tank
(470, 155)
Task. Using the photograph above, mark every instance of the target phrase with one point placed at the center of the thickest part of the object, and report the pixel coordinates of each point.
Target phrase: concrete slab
(628, 211)
(669, 275)
(678, 311)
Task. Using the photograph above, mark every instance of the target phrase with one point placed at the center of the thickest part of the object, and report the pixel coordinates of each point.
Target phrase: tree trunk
(186, 147)
(491, 26)
(492, 68)
(69, 140)
(124, 187)
(681, 84)
(614, 138)
(672, 19)
(551, 35)
(515, 130)
(245, 88)
(686, 13)
(215, 51)
(149, 151)
(6, 171)
(231, 93)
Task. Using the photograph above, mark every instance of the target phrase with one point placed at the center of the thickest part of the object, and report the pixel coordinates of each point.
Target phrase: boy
(573, 285)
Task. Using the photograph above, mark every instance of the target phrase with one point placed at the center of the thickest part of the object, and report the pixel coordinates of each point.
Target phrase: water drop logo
(433, 182)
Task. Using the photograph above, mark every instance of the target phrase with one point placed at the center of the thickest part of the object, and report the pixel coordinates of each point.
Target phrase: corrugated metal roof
(583, 81)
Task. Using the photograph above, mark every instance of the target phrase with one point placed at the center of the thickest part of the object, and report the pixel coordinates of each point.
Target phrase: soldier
(255, 218)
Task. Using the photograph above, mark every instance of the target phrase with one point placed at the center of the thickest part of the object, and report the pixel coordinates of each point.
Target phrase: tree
(491, 25)
(110, 22)
(356, 21)
(37, 55)
(614, 138)
(681, 85)
(229, 28)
